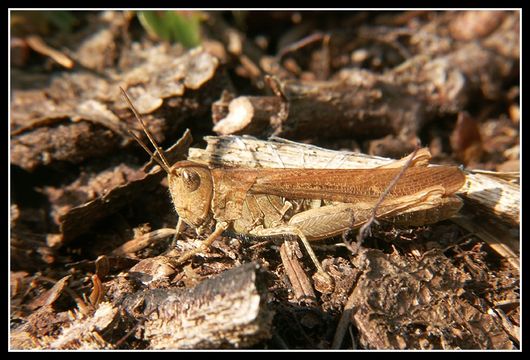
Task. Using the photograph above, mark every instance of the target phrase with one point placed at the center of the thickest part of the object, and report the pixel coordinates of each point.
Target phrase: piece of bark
(43, 106)
(493, 196)
(344, 276)
(327, 109)
(510, 328)
(498, 236)
(71, 143)
(154, 270)
(104, 265)
(36, 43)
(88, 333)
(28, 243)
(404, 303)
(76, 220)
(220, 107)
(167, 87)
(466, 140)
(250, 115)
(138, 243)
(99, 45)
(41, 327)
(300, 283)
(50, 296)
(238, 45)
(227, 311)
(344, 322)
(429, 83)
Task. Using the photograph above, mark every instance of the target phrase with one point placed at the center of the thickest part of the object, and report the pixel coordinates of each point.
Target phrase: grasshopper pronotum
(281, 202)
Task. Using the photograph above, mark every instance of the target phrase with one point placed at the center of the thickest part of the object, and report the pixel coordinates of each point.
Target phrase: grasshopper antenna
(160, 159)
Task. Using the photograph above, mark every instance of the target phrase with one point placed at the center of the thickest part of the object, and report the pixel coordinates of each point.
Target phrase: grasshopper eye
(191, 179)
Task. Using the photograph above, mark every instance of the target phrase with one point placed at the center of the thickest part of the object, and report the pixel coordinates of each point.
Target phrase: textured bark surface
(399, 101)
(227, 311)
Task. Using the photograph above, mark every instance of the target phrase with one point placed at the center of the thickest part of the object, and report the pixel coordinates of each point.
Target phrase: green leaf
(180, 26)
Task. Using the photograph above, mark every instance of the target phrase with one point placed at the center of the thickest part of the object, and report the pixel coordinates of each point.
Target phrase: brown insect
(310, 204)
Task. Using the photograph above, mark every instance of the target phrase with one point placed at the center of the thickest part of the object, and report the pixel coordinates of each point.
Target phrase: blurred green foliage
(173, 26)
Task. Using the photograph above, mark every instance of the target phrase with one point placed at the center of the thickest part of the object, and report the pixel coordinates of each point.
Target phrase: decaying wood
(88, 332)
(50, 296)
(28, 247)
(220, 107)
(300, 283)
(153, 270)
(442, 291)
(237, 45)
(494, 196)
(37, 43)
(326, 109)
(510, 328)
(77, 142)
(75, 216)
(428, 288)
(227, 311)
(498, 236)
(75, 207)
(400, 101)
(79, 115)
(344, 322)
(143, 241)
(250, 115)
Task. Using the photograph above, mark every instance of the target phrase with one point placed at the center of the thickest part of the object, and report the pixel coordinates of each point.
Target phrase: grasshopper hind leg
(325, 282)
(314, 224)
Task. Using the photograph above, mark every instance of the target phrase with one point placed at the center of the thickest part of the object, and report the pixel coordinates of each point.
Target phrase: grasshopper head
(191, 188)
(190, 184)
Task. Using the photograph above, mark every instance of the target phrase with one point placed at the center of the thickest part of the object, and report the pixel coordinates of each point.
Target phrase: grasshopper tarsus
(323, 282)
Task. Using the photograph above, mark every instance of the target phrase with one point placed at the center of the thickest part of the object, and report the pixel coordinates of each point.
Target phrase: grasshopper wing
(353, 185)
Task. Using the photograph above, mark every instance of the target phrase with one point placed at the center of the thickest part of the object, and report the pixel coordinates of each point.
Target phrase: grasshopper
(308, 204)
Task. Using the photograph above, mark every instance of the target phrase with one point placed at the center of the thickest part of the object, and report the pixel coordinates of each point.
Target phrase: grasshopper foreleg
(219, 228)
(178, 229)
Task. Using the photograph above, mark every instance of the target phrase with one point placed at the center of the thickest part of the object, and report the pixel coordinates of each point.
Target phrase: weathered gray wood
(226, 311)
